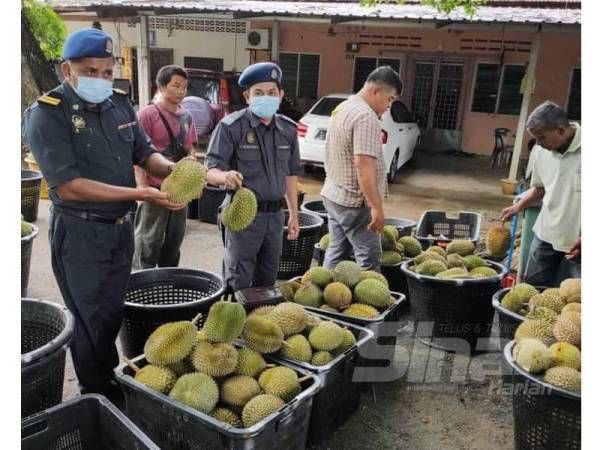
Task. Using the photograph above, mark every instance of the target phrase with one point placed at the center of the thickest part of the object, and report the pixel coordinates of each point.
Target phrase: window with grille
(364, 66)
(300, 74)
(574, 105)
(498, 89)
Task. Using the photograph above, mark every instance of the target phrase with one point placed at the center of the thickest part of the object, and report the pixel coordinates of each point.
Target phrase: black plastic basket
(395, 277)
(157, 296)
(404, 226)
(89, 422)
(436, 226)
(30, 194)
(317, 207)
(208, 204)
(296, 255)
(46, 332)
(453, 313)
(508, 320)
(173, 425)
(545, 417)
(301, 195)
(26, 249)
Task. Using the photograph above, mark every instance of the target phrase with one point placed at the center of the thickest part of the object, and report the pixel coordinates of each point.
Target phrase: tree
(47, 27)
(445, 6)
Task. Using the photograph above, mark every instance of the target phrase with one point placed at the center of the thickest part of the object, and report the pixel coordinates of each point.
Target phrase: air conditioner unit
(257, 39)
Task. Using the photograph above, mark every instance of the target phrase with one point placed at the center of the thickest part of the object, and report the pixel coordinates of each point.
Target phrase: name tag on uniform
(249, 146)
(126, 125)
(283, 147)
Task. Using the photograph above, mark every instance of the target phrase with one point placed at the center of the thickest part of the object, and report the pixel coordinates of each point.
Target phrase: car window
(206, 88)
(400, 113)
(326, 105)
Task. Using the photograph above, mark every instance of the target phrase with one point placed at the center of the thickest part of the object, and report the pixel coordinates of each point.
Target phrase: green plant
(47, 27)
(445, 6)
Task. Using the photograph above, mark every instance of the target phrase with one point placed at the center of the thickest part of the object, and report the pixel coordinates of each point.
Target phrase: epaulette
(119, 91)
(49, 100)
(233, 117)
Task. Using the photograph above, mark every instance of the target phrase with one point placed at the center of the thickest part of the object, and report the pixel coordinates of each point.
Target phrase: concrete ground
(425, 407)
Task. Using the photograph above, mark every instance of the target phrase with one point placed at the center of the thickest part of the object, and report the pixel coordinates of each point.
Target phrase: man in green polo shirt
(555, 178)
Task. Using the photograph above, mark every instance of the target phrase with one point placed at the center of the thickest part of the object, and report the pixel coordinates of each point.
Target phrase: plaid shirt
(354, 130)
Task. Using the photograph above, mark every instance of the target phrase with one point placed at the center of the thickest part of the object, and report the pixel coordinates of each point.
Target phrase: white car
(400, 133)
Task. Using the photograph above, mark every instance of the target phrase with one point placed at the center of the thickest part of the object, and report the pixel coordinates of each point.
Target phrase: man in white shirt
(555, 178)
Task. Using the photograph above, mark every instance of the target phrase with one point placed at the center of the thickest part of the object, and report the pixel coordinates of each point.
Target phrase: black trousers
(92, 263)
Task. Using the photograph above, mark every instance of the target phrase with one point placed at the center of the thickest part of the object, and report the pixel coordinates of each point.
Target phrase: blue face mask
(93, 90)
(264, 106)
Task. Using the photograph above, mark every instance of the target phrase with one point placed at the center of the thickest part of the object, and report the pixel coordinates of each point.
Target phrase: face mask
(264, 106)
(93, 90)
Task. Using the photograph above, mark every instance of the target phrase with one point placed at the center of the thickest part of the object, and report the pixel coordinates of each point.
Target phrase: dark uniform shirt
(264, 155)
(73, 139)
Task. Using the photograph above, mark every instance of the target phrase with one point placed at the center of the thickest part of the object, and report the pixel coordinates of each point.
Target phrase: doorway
(158, 59)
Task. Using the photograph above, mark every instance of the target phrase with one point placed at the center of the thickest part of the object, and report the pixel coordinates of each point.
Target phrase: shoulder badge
(233, 117)
(48, 100)
(286, 119)
(119, 91)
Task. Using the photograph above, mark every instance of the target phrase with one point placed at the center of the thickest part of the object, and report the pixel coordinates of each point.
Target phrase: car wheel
(393, 168)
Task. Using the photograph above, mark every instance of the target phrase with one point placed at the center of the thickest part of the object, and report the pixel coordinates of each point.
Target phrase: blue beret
(88, 43)
(259, 73)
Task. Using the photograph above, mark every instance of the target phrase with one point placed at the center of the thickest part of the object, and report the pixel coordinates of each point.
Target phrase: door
(158, 59)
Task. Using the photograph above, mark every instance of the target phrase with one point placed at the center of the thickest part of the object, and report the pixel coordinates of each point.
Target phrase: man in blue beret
(86, 139)
(258, 149)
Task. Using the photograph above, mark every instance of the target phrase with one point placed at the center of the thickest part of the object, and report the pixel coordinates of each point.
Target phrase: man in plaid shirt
(355, 184)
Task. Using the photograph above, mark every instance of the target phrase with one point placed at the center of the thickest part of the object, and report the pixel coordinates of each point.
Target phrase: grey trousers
(252, 255)
(544, 265)
(349, 234)
(158, 236)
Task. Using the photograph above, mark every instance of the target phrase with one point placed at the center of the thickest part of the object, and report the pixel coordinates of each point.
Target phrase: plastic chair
(502, 153)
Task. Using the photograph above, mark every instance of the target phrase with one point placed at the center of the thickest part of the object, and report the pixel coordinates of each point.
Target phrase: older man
(555, 178)
(356, 177)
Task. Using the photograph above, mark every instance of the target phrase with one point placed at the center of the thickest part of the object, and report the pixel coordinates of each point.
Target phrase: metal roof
(334, 10)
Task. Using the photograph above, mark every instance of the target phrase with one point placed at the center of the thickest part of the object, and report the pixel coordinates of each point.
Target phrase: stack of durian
(548, 342)
(26, 227)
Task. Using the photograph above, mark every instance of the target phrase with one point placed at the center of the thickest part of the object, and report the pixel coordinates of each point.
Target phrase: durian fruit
(326, 336)
(393, 231)
(312, 322)
(239, 390)
(309, 295)
(564, 377)
(291, 317)
(535, 328)
(483, 272)
(555, 303)
(347, 272)
(250, 363)
(182, 367)
(455, 272)
(497, 241)
(227, 416)
(347, 342)
(400, 249)
(388, 240)
(328, 308)
(571, 307)
(372, 292)
(159, 378)
(216, 360)
(337, 295)
(262, 334)
(241, 211)
(570, 290)
(288, 290)
(196, 390)
(461, 246)
(473, 261)
(26, 228)
(321, 358)
(512, 302)
(455, 260)
(412, 247)
(371, 274)
(428, 255)
(553, 293)
(565, 354)
(170, 343)
(318, 275)
(280, 381)
(262, 310)
(298, 348)
(565, 330)
(324, 241)
(430, 268)
(439, 250)
(524, 291)
(201, 336)
(361, 311)
(185, 182)
(541, 312)
(259, 408)
(532, 355)
(225, 321)
(389, 258)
